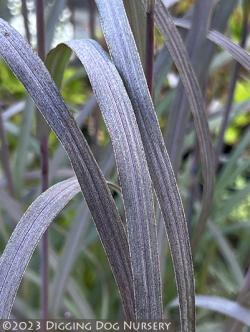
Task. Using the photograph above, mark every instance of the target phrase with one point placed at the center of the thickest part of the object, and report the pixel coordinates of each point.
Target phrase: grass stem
(44, 166)
(26, 21)
(149, 61)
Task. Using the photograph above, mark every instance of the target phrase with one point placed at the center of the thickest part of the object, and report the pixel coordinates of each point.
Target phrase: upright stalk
(92, 19)
(233, 81)
(4, 150)
(149, 57)
(44, 165)
(26, 20)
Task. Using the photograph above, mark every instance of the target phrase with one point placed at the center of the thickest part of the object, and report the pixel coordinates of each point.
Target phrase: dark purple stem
(149, 61)
(5, 157)
(44, 166)
(92, 19)
(26, 20)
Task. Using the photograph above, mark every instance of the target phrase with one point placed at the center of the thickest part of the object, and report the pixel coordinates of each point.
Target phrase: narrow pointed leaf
(10, 205)
(134, 177)
(227, 252)
(223, 306)
(137, 22)
(238, 53)
(125, 56)
(26, 236)
(71, 248)
(32, 73)
(180, 57)
(180, 111)
(52, 20)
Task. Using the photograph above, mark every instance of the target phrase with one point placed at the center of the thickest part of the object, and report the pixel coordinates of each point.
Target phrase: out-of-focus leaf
(26, 20)
(232, 202)
(237, 52)
(5, 157)
(125, 56)
(227, 252)
(242, 299)
(54, 13)
(221, 305)
(10, 205)
(71, 249)
(232, 87)
(5, 11)
(162, 64)
(67, 259)
(23, 144)
(179, 115)
(219, 20)
(169, 3)
(26, 236)
(59, 154)
(30, 70)
(13, 110)
(84, 309)
(56, 63)
(179, 54)
(137, 22)
(231, 164)
(134, 177)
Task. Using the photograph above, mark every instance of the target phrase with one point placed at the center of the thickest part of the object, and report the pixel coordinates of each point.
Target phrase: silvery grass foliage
(141, 157)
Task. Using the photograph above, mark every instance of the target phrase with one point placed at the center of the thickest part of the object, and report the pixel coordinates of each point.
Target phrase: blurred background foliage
(81, 283)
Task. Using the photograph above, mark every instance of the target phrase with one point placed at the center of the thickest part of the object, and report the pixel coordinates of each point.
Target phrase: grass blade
(125, 56)
(26, 236)
(134, 177)
(226, 251)
(232, 85)
(238, 53)
(5, 157)
(23, 144)
(71, 250)
(221, 305)
(137, 22)
(53, 18)
(10, 205)
(232, 202)
(30, 70)
(180, 113)
(178, 52)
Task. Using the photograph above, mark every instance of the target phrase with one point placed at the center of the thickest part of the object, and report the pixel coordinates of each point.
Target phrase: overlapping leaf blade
(125, 56)
(72, 246)
(134, 177)
(26, 236)
(178, 52)
(32, 73)
(223, 306)
(180, 112)
(237, 52)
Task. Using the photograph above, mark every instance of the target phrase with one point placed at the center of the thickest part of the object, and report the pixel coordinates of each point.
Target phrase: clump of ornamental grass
(146, 160)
